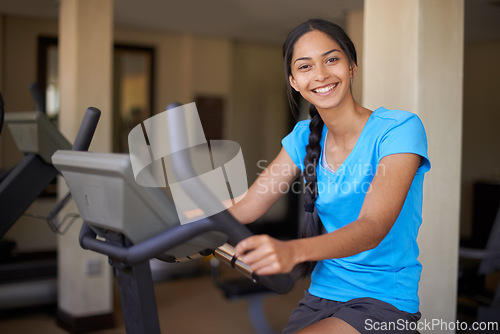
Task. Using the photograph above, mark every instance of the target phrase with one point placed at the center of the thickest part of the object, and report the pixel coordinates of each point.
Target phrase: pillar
(354, 28)
(413, 60)
(85, 299)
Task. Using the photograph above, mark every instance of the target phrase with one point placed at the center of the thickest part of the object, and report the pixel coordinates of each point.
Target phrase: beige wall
(258, 119)
(20, 58)
(259, 115)
(481, 131)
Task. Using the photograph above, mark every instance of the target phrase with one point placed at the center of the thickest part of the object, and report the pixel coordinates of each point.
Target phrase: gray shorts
(366, 315)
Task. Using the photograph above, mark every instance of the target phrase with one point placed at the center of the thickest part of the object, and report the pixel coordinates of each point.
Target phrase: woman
(363, 173)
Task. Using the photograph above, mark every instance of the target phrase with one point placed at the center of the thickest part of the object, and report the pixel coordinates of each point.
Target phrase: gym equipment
(115, 208)
(33, 282)
(471, 280)
(37, 138)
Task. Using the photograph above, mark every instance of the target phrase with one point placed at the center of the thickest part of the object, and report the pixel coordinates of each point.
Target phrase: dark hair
(313, 149)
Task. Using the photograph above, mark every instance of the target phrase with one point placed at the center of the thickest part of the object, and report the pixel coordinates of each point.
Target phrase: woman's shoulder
(302, 125)
(299, 136)
(402, 132)
(296, 141)
(395, 115)
(301, 129)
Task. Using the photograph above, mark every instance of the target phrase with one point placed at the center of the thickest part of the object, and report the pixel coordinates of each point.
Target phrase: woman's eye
(304, 67)
(331, 60)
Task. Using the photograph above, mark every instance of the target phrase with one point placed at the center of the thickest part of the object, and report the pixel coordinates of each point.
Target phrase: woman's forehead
(314, 43)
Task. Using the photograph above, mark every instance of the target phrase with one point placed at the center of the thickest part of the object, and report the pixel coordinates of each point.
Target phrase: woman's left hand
(267, 255)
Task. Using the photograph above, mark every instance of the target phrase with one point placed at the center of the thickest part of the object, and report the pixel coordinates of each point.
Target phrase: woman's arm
(381, 207)
(266, 190)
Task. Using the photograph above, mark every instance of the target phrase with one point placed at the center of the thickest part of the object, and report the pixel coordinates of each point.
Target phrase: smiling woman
(362, 252)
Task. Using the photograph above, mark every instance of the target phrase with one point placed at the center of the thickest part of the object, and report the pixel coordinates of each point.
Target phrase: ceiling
(264, 21)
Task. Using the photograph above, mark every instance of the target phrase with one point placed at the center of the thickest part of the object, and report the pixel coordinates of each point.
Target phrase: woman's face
(320, 70)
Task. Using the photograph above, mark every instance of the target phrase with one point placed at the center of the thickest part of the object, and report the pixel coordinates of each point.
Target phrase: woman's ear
(353, 69)
(293, 83)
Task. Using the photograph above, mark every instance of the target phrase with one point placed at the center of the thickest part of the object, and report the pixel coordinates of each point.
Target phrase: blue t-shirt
(390, 272)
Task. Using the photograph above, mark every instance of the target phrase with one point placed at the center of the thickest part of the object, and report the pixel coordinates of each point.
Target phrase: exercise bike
(131, 224)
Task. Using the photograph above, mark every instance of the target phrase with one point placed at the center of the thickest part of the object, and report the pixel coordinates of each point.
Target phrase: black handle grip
(281, 283)
(87, 129)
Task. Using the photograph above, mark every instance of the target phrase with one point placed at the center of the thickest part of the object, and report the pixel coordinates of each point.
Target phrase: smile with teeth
(326, 89)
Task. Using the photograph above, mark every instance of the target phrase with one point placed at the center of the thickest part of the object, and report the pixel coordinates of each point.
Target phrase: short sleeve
(406, 135)
(296, 141)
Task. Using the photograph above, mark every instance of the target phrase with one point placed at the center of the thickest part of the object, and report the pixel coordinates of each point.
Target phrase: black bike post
(136, 289)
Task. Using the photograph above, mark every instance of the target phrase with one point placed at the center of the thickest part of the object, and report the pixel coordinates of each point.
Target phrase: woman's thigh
(329, 325)
(360, 315)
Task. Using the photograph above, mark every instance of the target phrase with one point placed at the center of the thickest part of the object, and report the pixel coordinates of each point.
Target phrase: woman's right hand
(266, 255)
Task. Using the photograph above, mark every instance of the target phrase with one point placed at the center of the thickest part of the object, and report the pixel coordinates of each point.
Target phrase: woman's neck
(345, 122)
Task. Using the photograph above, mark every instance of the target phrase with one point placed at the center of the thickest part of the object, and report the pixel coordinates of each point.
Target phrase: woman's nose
(321, 73)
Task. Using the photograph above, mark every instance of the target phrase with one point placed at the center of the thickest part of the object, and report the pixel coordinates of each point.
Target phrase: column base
(77, 325)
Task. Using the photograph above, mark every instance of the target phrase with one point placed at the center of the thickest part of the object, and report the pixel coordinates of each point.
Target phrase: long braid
(313, 150)
(311, 227)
